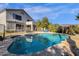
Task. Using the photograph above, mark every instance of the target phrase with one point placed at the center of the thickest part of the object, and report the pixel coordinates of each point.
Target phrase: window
(10, 26)
(28, 20)
(28, 25)
(18, 17)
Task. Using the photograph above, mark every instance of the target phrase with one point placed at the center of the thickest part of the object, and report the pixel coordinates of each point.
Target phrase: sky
(57, 13)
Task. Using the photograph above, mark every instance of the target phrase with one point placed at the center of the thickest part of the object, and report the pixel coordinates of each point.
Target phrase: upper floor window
(18, 17)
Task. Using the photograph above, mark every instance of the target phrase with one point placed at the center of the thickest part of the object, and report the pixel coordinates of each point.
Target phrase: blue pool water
(34, 43)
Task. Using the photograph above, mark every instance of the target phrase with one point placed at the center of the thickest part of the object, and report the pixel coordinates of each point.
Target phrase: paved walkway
(3, 47)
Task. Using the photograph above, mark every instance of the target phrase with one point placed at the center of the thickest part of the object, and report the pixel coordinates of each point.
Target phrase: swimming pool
(33, 43)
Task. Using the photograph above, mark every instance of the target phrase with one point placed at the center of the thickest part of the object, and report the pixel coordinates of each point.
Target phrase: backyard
(67, 47)
(51, 32)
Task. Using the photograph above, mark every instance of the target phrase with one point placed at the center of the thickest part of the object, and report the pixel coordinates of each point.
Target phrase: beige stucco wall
(30, 23)
(2, 20)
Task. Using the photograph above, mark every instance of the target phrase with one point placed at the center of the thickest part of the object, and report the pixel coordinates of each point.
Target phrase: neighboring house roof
(16, 10)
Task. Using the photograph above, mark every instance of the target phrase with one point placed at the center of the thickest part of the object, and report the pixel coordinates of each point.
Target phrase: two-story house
(16, 20)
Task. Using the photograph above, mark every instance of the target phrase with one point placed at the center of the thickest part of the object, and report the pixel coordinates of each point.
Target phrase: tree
(51, 28)
(38, 24)
(77, 17)
(45, 23)
(76, 28)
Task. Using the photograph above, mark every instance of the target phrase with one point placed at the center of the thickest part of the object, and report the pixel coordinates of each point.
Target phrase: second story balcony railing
(29, 22)
(15, 20)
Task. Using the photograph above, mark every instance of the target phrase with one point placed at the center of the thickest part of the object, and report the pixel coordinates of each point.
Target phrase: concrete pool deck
(23, 33)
